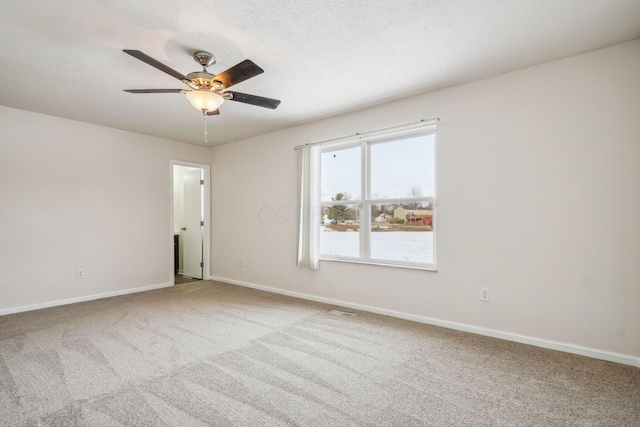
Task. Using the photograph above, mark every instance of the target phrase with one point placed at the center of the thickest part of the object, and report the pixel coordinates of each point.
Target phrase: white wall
(75, 195)
(539, 199)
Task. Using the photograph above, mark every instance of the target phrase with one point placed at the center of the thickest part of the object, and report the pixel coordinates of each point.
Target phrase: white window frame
(365, 202)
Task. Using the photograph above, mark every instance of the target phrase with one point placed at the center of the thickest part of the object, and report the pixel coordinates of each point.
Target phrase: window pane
(402, 232)
(403, 168)
(340, 231)
(340, 174)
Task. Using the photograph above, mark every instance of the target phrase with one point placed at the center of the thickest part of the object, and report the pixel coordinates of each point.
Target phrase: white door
(192, 229)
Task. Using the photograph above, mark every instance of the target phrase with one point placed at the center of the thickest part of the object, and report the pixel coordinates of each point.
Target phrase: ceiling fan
(208, 91)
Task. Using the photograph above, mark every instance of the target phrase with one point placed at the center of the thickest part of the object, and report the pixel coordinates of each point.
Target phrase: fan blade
(255, 100)
(213, 113)
(155, 90)
(238, 73)
(157, 64)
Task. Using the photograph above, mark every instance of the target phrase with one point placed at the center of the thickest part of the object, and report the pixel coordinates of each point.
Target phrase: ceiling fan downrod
(205, 59)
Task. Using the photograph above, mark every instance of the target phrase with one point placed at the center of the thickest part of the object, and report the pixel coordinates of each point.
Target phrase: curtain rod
(357, 136)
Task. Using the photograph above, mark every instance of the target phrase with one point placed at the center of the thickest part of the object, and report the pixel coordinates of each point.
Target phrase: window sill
(383, 264)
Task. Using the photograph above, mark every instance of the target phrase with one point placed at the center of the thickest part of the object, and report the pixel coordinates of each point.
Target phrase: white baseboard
(595, 353)
(81, 299)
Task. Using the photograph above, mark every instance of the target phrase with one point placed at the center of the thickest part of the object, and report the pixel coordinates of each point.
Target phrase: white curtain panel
(308, 207)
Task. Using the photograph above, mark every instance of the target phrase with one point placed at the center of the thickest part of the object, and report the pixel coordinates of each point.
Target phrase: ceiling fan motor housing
(205, 80)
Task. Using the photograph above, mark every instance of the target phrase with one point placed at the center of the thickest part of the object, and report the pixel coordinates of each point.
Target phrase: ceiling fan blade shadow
(156, 64)
(213, 113)
(238, 73)
(155, 90)
(258, 101)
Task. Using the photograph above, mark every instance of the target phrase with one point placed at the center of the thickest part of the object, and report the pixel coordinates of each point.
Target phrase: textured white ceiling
(321, 58)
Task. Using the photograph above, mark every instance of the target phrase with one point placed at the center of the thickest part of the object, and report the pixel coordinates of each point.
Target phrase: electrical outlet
(241, 262)
(80, 273)
(485, 294)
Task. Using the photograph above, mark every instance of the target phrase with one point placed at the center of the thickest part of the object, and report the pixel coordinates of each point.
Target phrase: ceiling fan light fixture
(204, 100)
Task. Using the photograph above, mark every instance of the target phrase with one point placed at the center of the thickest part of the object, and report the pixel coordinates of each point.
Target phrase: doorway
(189, 221)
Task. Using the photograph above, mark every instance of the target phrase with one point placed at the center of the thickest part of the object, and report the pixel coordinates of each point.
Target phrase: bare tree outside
(415, 191)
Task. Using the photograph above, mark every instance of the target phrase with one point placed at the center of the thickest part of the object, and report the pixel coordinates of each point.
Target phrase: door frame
(206, 207)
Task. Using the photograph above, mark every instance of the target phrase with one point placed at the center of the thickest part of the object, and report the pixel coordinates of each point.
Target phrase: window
(378, 200)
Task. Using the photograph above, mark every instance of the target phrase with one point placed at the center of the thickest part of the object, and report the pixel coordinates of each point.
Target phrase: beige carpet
(208, 353)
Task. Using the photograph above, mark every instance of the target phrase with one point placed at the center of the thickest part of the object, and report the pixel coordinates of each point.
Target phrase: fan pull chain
(205, 127)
